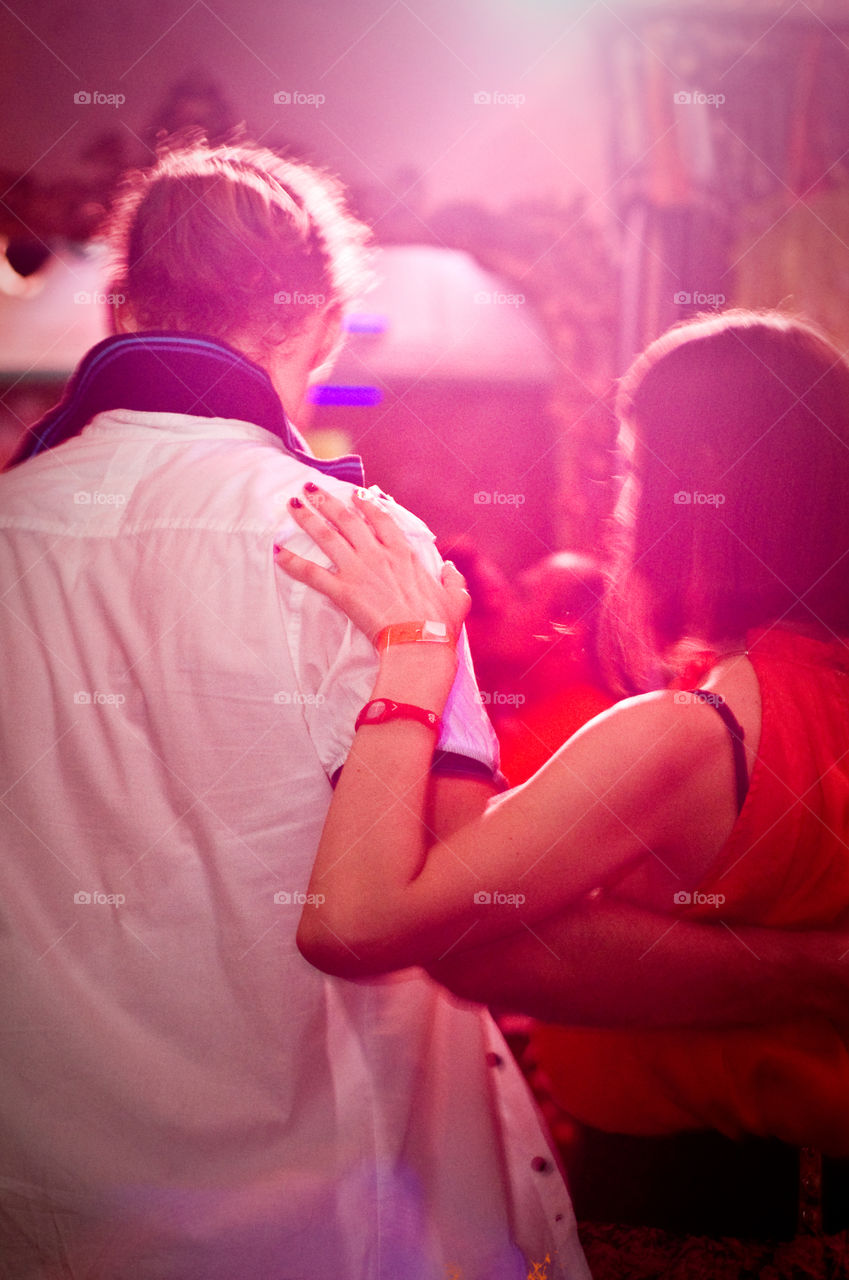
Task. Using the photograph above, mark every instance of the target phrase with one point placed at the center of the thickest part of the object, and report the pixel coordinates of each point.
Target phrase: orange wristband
(414, 633)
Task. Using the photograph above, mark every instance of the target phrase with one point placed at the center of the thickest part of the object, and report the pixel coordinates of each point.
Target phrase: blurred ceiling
(428, 101)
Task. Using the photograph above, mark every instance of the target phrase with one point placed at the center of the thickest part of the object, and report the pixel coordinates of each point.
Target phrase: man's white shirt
(183, 1095)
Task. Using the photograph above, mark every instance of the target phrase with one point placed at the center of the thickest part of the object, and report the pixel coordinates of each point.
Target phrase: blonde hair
(233, 241)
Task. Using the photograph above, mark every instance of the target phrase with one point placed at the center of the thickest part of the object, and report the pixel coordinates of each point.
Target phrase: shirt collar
(181, 426)
(175, 374)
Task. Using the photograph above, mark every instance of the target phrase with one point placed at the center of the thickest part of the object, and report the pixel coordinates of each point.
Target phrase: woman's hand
(378, 579)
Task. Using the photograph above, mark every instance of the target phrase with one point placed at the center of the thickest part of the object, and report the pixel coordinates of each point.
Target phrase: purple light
(326, 394)
(363, 322)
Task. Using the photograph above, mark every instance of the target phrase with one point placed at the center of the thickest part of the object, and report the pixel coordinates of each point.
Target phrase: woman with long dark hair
(724, 800)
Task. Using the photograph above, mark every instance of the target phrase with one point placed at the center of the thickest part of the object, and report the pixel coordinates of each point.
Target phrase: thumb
(451, 576)
(455, 584)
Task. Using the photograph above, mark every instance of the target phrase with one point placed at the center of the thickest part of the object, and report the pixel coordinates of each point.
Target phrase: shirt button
(539, 1164)
(494, 1060)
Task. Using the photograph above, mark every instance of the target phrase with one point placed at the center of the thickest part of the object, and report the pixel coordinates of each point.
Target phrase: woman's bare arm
(636, 783)
(607, 963)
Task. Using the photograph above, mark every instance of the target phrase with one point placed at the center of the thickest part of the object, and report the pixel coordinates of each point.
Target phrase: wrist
(417, 673)
(432, 632)
(386, 711)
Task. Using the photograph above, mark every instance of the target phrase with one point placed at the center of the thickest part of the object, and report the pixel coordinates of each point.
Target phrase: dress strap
(736, 734)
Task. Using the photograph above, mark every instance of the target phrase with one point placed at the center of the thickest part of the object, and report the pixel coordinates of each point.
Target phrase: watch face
(376, 710)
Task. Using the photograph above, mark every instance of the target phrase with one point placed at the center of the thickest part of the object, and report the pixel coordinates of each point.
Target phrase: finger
(311, 574)
(452, 577)
(324, 533)
(384, 527)
(348, 521)
(455, 584)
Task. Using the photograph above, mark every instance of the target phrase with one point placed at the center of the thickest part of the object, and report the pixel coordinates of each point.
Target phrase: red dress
(786, 865)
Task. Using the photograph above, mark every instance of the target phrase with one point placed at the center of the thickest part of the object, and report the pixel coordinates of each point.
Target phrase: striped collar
(174, 373)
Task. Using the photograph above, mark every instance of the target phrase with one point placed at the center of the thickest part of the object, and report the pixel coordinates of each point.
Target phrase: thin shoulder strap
(736, 734)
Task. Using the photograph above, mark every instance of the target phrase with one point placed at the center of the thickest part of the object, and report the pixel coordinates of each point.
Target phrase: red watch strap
(382, 710)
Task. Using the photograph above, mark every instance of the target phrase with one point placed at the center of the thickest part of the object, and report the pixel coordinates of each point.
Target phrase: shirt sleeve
(336, 665)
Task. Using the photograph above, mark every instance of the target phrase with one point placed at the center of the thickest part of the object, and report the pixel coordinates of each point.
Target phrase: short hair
(737, 513)
(233, 241)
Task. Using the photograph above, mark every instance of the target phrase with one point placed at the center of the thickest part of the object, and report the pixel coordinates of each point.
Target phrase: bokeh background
(550, 183)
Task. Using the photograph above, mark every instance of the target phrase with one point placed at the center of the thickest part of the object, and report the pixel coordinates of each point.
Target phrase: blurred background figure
(534, 648)
(563, 686)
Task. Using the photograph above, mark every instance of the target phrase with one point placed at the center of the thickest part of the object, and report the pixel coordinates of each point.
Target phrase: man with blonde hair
(184, 1096)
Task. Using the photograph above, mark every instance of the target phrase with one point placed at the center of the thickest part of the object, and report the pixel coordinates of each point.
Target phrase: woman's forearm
(377, 817)
(606, 963)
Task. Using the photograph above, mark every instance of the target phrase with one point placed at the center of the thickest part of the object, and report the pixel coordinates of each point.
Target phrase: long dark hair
(736, 514)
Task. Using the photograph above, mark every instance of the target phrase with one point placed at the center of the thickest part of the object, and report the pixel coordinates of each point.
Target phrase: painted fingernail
(277, 548)
(295, 502)
(310, 487)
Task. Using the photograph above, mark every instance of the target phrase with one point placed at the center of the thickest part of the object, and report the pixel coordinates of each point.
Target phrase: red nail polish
(295, 502)
(310, 487)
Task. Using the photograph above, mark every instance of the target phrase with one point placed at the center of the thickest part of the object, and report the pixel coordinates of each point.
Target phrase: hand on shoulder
(377, 577)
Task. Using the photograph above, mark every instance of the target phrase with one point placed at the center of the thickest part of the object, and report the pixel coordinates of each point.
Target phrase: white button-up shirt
(183, 1096)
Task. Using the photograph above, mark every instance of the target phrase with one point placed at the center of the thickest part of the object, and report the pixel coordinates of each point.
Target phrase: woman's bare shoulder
(657, 725)
(661, 763)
